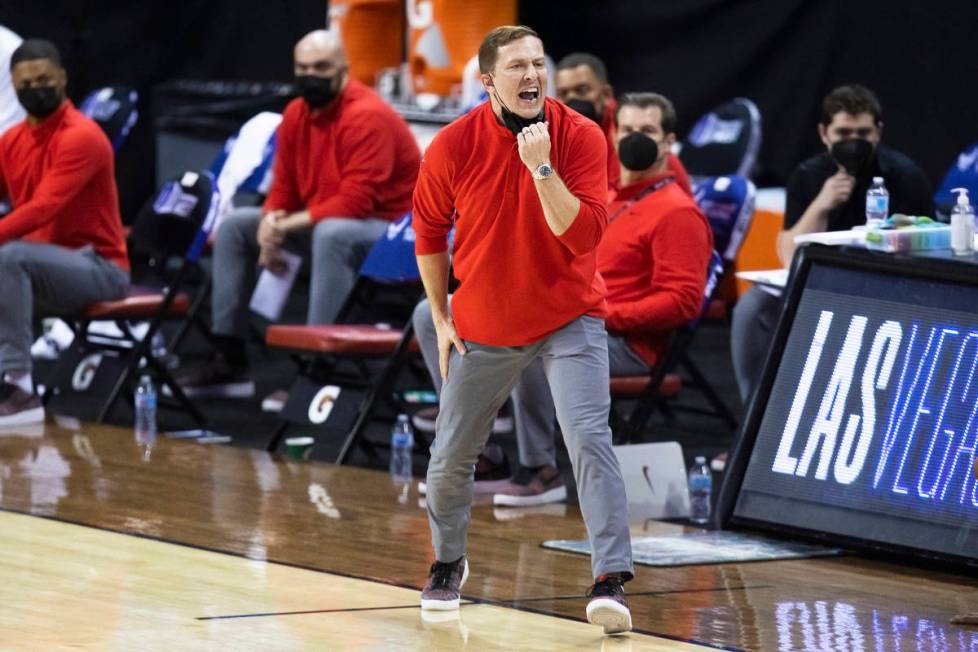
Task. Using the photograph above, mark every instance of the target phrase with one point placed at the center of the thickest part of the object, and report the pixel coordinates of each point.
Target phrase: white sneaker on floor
(56, 338)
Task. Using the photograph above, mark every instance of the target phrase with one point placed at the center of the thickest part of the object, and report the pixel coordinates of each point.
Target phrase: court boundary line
(473, 600)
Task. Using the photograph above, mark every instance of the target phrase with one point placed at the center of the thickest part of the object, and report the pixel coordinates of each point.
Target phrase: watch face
(545, 170)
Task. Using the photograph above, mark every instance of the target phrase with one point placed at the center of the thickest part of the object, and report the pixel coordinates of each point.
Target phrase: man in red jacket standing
(523, 179)
(62, 246)
(345, 167)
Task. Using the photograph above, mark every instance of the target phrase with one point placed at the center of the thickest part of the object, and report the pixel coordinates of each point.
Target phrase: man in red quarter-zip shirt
(345, 167)
(61, 246)
(523, 180)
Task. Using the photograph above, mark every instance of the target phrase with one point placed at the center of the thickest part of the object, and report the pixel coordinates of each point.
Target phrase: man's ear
(824, 136)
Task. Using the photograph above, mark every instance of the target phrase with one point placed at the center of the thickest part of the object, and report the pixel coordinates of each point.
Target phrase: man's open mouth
(530, 94)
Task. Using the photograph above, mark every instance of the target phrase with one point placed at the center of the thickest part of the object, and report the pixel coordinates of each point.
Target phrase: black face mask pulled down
(513, 121)
(854, 155)
(585, 108)
(516, 123)
(637, 152)
(39, 101)
(316, 91)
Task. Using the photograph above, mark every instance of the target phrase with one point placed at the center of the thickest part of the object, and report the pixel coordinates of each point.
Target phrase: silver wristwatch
(543, 171)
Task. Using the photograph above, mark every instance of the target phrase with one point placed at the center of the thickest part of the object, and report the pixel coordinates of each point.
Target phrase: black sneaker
(607, 606)
(217, 378)
(445, 582)
(19, 408)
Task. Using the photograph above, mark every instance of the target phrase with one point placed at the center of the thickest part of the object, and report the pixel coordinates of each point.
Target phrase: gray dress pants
(37, 278)
(533, 407)
(751, 329)
(337, 246)
(575, 363)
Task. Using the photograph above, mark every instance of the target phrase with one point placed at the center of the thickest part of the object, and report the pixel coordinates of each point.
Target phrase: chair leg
(166, 378)
(277, 437)
(381, 387)
(703, 385)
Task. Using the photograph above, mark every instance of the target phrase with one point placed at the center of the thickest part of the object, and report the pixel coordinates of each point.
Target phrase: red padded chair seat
(357, 339)
(139, 303)
(635, 385)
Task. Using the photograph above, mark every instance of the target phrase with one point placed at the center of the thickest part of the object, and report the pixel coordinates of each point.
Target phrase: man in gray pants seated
(62, 246)
(345, 167)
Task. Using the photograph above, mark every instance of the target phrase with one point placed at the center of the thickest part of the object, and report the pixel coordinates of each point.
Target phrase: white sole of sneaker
(272, 405)
(613, 616)
(555, 495)
(447, 605)
(23, 418)
(422, 488)
(227, 390)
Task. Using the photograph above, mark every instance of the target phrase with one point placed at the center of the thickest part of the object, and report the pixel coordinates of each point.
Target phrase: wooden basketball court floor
(214, 547)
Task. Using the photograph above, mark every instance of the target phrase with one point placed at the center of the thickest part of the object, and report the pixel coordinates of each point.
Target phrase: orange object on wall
(372, 33)
(445, 34)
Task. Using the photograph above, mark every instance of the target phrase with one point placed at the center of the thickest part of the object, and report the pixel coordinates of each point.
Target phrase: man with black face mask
(61, 246)
(345, 167)
(827, 192)
(522, 179)
(582, 84)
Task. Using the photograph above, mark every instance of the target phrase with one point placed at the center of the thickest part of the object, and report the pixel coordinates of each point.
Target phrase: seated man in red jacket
(62, 246)
(582, 84)
(345, 167)
(653, 257)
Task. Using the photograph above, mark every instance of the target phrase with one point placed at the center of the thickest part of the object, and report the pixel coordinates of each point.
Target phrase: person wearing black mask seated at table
(582, 84)
(827, 192)
(345, 167)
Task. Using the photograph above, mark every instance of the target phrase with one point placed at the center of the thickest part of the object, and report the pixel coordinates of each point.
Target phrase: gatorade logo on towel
(322, 404)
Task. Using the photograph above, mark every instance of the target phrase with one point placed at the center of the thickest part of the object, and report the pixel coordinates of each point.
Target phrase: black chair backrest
(170, 221)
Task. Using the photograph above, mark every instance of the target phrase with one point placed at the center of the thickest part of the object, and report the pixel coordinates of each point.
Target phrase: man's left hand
(534, 145)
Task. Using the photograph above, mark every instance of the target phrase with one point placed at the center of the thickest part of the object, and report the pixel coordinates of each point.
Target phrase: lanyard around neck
(648, 190)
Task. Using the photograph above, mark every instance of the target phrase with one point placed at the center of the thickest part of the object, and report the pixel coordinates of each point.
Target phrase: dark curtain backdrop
(921, 57)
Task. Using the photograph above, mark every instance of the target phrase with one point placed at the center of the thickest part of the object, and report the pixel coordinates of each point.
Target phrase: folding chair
(191, 205)
(725, 141)
(321, 394)
(650, 393)
(114, 108)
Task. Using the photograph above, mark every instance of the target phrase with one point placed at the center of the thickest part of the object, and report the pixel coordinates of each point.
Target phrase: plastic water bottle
(700, 491)
(877, 203)
(145, 416)
(402, 441)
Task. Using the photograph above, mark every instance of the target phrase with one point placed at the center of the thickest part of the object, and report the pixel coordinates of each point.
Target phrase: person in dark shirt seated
(827, 192)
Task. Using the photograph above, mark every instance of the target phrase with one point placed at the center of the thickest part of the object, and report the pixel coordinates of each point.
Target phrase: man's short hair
(497, 38)
(35, 48)
(852, 99)
(644, 101)
(585, 59)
